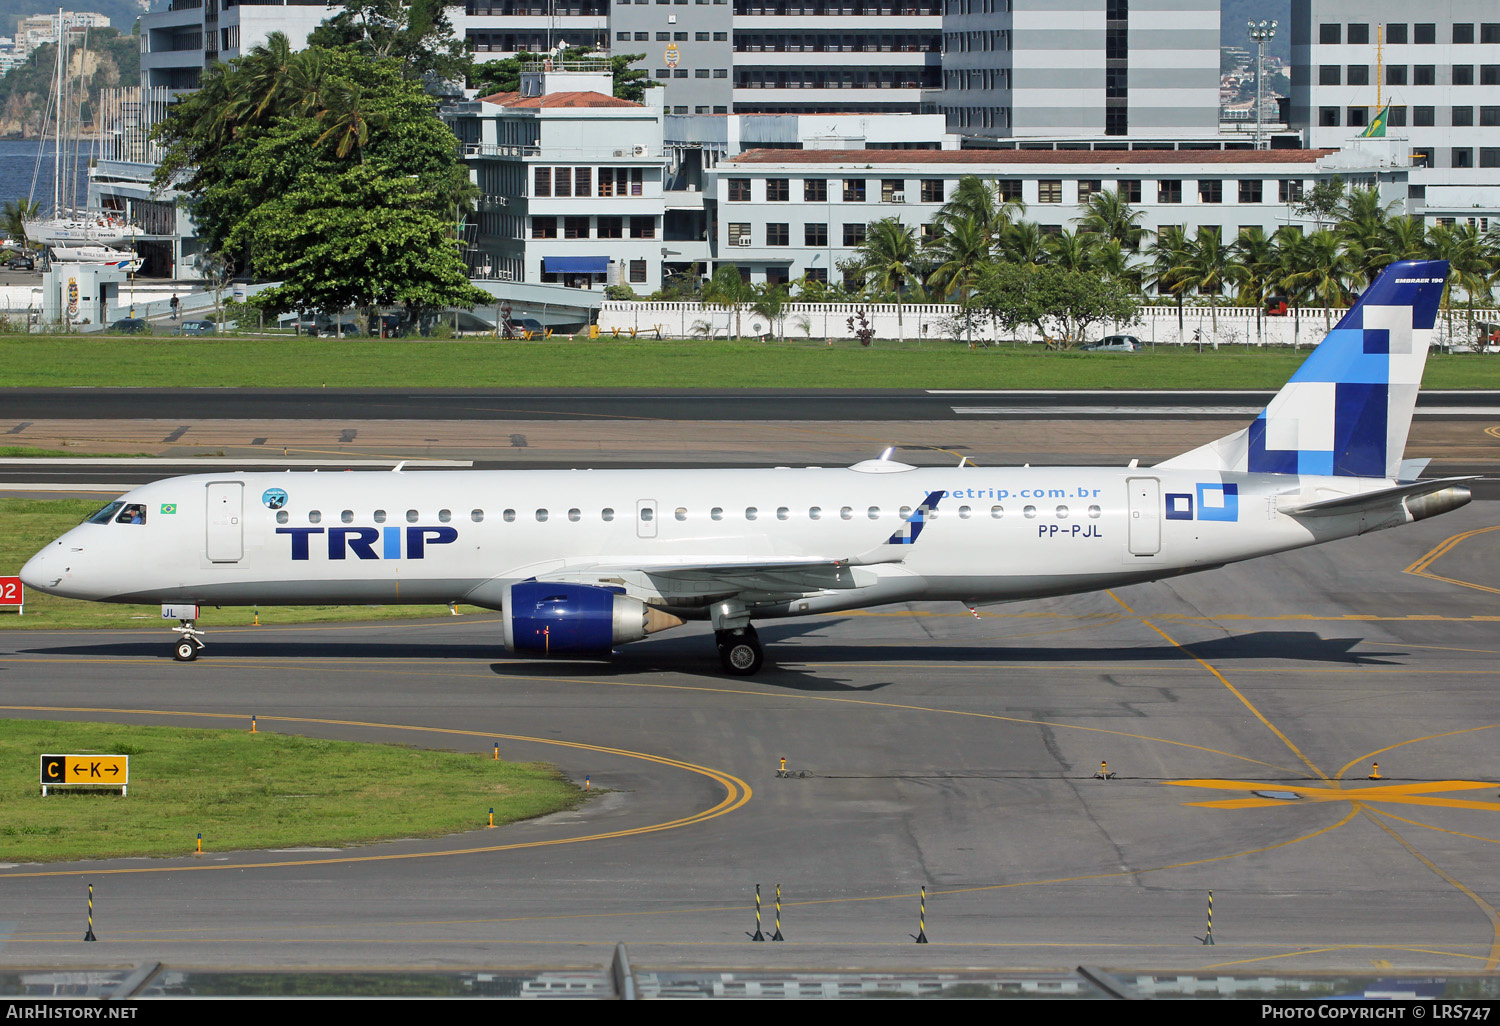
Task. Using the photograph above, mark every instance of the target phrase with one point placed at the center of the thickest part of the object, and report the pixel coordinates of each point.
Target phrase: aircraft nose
(40, 571)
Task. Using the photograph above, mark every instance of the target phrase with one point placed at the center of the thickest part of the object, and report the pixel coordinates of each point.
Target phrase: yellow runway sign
(93, 770)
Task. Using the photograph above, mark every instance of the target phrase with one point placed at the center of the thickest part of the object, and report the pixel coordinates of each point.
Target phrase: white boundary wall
(1156, 324)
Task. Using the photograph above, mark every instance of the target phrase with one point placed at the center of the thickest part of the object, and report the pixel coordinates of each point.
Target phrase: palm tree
(268, 66)
(770, 302)
(1470, 264)
(728, 289)
(348, 119)
(1293, 257)
(1072, 251)
(16, 214)
(1327, 272)
(1362, 228)
(1253, 271)
(1205, 268)
(1169, 252)
(1024, 243)
(1109, 214)
(959, 254)
(979, 201)
(888, 258)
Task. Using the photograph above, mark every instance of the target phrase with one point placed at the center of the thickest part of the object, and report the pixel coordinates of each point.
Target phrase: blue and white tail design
(912, 526)
(1347, 410)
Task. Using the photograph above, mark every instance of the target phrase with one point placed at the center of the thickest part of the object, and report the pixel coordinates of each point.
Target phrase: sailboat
(68, 225)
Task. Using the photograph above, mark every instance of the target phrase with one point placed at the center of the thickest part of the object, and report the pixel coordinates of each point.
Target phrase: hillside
(112, 60)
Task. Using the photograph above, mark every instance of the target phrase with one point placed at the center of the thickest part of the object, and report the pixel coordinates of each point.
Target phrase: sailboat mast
(57, 128)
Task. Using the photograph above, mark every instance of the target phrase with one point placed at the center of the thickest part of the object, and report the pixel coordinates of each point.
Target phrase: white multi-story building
(1140, 68)
(782, 215)
(1436, 65)
(179, 42)
(570, 181)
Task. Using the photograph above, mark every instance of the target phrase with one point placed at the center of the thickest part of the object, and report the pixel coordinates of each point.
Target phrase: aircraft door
(1145, 516)
(225, 524)
(645, 518)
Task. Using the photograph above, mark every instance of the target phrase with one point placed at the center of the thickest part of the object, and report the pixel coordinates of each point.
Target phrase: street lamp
(1260, 31)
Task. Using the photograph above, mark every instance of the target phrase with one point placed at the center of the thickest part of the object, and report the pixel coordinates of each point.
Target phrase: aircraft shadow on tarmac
(694, 654)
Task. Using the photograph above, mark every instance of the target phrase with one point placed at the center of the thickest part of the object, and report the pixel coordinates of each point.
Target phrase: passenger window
(815, 514)
(281, 516)
(681, 513)
(444, 515)
(477, 516)
(997, 512)
(347, 516)
(412, 516)
(873, 513)
(541, 516)
(751, 512)
(782, 513)
(963, 512)
(1094, 512)
(847, 512)
(314, 517)
(1062, 512)
(647, 514)
(1030, 512)
(905, 512)
(606, 514)
(106, 514)
(135, 513)
(575, 515)
(508, 516)
(380, 516)
(717, 513)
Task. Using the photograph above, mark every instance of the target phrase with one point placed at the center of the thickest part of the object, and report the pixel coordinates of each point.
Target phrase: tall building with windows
(1435, 65)
(1039, 68)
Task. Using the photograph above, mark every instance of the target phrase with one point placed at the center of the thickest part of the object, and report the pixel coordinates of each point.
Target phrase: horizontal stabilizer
(1378, 499)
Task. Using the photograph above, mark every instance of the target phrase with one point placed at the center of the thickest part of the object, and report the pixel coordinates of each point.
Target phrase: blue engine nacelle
(575, 619)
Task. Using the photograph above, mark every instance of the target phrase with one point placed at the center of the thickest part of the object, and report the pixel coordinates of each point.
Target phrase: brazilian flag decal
(1377, 127)
(169, 507)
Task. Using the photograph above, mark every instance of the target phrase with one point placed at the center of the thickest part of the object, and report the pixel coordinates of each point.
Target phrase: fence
(1155, 325)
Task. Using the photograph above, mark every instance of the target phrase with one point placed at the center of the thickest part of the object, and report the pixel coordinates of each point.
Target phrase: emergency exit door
(225, 521)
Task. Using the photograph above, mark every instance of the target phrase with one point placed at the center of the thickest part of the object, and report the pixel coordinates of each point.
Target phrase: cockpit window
(106, 514)
(133, 513)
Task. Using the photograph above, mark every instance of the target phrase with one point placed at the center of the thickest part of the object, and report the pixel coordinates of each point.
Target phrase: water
(18, 163)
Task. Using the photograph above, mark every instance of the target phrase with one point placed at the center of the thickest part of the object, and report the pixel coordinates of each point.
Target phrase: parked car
(1114, 344)
(523, 327)
(131, 326)
(389, 326)
(195, 328)
(328, 330)
(20, 262)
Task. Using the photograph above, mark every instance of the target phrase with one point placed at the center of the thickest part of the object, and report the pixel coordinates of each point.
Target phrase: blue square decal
(1219, 502)
(1377, 340)
(1179, 506)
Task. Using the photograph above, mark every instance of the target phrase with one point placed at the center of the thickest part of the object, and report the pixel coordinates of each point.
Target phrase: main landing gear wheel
(740, 651)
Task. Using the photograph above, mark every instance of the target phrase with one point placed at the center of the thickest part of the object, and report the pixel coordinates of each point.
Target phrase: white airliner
(581, 561)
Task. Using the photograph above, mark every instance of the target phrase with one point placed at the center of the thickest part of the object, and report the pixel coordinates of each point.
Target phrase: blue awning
(575, 265)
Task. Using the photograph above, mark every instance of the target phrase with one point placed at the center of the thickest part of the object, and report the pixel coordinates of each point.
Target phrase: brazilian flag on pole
(1377, 127)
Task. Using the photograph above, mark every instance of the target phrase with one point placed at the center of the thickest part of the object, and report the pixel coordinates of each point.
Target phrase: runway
(1239, 712)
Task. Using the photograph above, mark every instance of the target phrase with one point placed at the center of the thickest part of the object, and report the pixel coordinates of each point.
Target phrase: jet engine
(544, 618)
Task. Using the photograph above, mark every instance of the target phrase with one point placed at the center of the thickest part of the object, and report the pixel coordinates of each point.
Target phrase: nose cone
(42, 571)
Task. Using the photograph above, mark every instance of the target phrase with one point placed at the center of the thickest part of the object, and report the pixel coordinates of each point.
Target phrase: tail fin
(1347, 410)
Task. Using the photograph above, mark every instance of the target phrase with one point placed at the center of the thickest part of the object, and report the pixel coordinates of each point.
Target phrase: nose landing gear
(186, 648)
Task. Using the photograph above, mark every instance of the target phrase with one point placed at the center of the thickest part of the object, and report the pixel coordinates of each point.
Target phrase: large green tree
(327, 171)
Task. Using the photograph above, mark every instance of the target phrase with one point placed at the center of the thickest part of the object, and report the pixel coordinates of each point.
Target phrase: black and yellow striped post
(777, 935)
(90, 935)
(921, 935)
(757, 935)
(1208, 936)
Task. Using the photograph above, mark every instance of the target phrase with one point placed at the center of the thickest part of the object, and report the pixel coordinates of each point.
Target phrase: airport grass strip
(295, 362)
(26, 525)
(243, 790)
